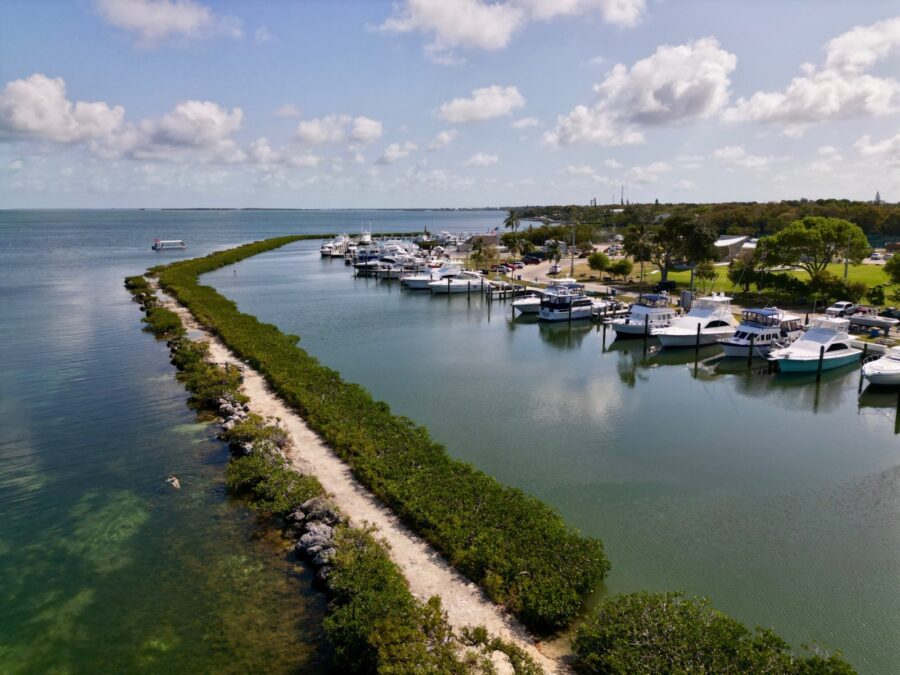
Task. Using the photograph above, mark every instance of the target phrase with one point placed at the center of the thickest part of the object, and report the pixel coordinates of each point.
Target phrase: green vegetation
(668, 633)
(163, 323)
(599, 262)
(517, 548)
(269, 482)
(812, 243)
(674, 239)
(892, 269)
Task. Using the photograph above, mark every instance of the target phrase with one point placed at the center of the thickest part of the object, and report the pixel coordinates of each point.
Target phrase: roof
(727, 242)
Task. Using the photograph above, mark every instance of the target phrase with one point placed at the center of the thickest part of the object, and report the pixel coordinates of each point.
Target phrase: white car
(840, 309)
(876, 256)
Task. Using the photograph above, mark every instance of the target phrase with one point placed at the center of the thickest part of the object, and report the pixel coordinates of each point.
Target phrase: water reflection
(564, 335)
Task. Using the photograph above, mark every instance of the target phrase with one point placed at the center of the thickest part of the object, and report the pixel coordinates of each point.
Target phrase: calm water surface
(777, 499)
(104, 568)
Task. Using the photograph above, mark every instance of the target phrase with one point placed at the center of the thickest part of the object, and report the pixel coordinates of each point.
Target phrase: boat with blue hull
(804, 355)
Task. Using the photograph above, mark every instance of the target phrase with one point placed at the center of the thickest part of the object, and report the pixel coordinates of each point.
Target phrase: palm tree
(512, 223)
(554, 252)
(639, 242)
(478, 250)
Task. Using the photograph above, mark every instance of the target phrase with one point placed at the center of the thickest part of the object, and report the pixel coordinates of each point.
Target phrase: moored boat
(650, 312)
(884, 371)
(420, 281)
(762, 330)
(565, 303)
(868, 317)
(464, 282)
(803, 355)
(710, 314)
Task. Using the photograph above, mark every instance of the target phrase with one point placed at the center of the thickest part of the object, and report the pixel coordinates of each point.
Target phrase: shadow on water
(564, 335)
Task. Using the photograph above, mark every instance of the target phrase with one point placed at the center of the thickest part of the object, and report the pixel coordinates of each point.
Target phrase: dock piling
(819, 368)
(750, 352)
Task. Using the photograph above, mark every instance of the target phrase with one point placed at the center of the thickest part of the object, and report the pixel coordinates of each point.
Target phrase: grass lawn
(870, 275)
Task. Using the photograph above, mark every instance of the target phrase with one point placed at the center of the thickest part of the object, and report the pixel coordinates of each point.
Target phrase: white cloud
(646, 174)
(676, 84)
(889, 148)
(486, 103)
(486, 25)
(525, 123)
(442, 140)
(684, 185)
(612, 164)
(262, 35)
(735, 155)
(481, 159)
(287, 110)
(38, 107)
(365, 130)
(328, 129)
(15, 165)
(155, 20)
(579, 170)
(838, 90)
(395, 152)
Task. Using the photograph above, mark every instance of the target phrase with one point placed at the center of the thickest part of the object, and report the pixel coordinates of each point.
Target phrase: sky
(445, 103)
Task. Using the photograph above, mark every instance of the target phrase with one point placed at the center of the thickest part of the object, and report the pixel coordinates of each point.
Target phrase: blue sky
(127, 103)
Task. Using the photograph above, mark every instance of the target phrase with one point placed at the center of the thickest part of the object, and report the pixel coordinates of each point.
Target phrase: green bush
(269, 483)
(188, 354)
(668, 633)
(255, 429)
(137, 284)
(516, 547)
(207, 383)
(163, 323)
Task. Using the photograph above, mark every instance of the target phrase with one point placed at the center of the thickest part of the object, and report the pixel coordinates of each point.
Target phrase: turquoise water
(778, 499)
(103, 567)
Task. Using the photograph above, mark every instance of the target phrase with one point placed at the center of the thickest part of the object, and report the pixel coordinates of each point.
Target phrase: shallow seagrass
(515, 546)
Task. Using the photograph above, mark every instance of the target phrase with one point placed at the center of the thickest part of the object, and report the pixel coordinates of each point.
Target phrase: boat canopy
(762, 317)
(653, 300)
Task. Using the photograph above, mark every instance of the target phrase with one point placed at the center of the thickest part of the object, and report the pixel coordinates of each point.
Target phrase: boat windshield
(760, 317)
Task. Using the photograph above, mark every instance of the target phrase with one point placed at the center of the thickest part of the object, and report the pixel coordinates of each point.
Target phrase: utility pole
(572, 264)
(847, 259)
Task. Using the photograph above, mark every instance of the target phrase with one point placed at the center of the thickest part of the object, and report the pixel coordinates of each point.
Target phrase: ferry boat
(168, 244)
(564, 303)
(650, 312)
(802, 356)
(713, 316)
(884, 371)
(762, 330)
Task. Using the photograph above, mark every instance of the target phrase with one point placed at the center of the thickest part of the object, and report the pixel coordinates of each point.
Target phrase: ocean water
(103, 567)
(777, 498)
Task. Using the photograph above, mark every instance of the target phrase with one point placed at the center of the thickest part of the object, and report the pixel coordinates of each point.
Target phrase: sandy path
(427, 572)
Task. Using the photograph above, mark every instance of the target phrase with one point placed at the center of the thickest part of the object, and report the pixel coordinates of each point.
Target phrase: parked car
(531, 260)
(876, 256)
(554, 269)
(515, 264)
(664, 287)
(843, 308)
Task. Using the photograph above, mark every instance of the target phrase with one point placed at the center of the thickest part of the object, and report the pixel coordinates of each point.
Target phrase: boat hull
(633, 329)
(577, 314)
(883, 379)
(793, 365)
(690, 339)
(527, 307)
(742, 351)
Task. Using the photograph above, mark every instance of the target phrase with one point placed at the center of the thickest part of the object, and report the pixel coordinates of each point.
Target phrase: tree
(813, 242)
(599, 262)
(621, 268)
(892, 268)
(512, 223)
(679, 238)
(553, 250)
(477, 254)
(639, 242)
(742, 270)
(706, 272)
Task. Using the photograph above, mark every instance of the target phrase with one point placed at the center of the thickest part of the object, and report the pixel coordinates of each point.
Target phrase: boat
(565, 303)
(649, 313)
(336, 247)
(868, 317)
(531, 303)
(884, 371)
(762, 330)
(420, 281)
(168, 244)
(710, 314)
(464, 282)
(802, 356)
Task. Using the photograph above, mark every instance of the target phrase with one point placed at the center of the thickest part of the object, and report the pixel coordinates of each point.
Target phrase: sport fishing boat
(884, 371)
(711, 314)
(762, 330)
(802, 356)
(463, 282)
(420, 281)
(565, 303)
(650, 312)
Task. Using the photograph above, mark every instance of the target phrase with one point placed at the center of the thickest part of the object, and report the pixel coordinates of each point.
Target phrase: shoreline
(424, 568)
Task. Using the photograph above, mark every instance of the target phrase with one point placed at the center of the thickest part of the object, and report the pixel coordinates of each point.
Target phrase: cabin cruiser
(711, 314)
(649, 313)
(884, 371)
(460, 283)
(762, 330)
(565, 302)
(802, 356)
(531, 303)
(336, 247)
(420, 281)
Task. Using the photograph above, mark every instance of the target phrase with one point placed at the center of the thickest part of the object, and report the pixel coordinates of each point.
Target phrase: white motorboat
(803, 355)
(650, 312)
(868, 317)
(565, 303)
(336, 247)
(762, 330)
(711, 315)
(531, 303)
(464, 282)
(420, 281)
(884, 371)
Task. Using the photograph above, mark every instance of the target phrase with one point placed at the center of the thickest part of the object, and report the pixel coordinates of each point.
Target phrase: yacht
(650, 312)
(762, 330)
(531, 303)
(420, 281)
(802, 356)
(884, 371)
(711, 314)
(565, 303)
(460, 283)
(336, 247)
